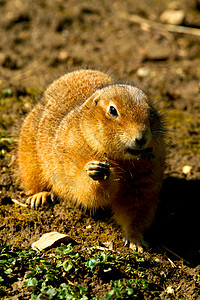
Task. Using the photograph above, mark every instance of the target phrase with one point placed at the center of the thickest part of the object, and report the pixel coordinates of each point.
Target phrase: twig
(19, 203)
(176, 255)
(103, 248)
(171, 262)
(163, 27)
(2, 226)
(106, 249)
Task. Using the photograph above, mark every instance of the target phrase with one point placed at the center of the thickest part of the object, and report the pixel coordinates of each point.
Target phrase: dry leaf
(49, 239)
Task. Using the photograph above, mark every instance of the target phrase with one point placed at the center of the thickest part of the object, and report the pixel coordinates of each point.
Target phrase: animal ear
(96, 99)
(92, 100)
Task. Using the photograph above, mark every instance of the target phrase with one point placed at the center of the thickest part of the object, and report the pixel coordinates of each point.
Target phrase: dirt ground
(43, 39)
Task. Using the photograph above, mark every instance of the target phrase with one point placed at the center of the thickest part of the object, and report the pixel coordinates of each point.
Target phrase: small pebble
(174, 17)
(186, 170)
(169, 290)
(88, 227)
(143, 72)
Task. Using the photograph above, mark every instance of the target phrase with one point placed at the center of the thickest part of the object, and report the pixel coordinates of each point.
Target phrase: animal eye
(113, 112)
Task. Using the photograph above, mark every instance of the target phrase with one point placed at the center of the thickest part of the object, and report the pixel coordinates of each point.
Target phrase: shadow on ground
(177, 223)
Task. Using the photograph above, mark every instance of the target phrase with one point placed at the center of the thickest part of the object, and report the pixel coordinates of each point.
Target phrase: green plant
(65, 291)
(48, 278)
(11, 262)
(129, 289)
(6, 93)
(99, 263)
(61, 273)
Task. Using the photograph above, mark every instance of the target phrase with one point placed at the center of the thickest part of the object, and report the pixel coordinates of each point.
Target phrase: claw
(39, 199)
(97, 170)
(139, 247)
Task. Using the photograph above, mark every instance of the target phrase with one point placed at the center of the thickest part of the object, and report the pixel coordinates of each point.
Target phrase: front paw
(97, 170)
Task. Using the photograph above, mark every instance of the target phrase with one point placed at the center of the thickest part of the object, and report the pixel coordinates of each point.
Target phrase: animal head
(120, 121)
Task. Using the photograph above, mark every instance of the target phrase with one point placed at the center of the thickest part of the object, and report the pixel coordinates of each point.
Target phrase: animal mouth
(134, 152)
(140, 153)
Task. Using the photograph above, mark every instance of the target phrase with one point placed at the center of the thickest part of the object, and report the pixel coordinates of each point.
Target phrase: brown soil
(41, 40)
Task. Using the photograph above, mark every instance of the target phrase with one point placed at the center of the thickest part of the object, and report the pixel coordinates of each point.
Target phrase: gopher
(98, 143)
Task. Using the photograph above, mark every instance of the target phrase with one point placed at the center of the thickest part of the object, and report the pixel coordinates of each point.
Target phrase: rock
(88, 227)
(143, 72)
(186, 170)
(63, 55)
(51, 239)
(169, 290)
(174, 17)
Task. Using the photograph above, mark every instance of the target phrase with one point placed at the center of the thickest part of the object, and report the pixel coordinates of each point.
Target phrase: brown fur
(72, 127)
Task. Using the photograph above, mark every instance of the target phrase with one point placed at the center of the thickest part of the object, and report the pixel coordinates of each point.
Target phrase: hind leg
(29, 169)
(135, 217)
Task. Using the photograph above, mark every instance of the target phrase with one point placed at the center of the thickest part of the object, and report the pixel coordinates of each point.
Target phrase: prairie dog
(97, 143)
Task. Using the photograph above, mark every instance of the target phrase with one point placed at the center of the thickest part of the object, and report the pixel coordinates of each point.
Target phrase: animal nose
(141, 138)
